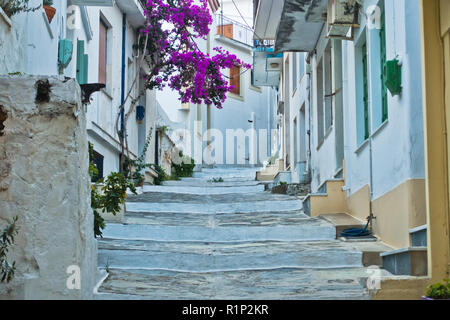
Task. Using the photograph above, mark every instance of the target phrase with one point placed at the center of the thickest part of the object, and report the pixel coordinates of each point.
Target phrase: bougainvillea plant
(171, 57)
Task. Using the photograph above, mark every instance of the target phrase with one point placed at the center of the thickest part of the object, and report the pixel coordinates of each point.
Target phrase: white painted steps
(193, 189)
(212, 257)
(214, 208)
(194, 239)
(275, 284)
(306, 232)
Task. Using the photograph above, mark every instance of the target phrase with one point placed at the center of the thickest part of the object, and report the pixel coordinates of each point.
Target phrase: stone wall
(44, 181)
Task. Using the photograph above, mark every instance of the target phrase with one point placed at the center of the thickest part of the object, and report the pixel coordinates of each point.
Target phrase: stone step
(209, 257)
(205, 189)
(166, 197)
(274, 284)
(197, 182)
(419, 236)
(181, 227)
(226, 175)
(224, 205)
(406, 261)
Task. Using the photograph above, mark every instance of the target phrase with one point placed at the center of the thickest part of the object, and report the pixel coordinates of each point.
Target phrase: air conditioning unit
(342, 17)
(274, 62)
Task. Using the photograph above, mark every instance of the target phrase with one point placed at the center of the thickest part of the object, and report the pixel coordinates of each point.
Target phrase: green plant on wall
(439, 291)
(107, 195)
(7, 270)
(12, 7)
(185, 168)
(162, 175)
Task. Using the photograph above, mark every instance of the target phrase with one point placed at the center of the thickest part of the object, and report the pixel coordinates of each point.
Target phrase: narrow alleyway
(197, 239)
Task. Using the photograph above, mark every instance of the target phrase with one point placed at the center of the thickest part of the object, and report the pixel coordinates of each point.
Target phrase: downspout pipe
(122, 87)
(122, 90)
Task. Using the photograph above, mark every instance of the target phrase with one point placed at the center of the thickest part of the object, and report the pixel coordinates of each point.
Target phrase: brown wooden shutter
(102, 54)
(235, 80)
(226, 30)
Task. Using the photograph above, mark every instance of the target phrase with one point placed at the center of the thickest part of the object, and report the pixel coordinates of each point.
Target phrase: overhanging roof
(267, 17)
(300, 25)
(134, 11)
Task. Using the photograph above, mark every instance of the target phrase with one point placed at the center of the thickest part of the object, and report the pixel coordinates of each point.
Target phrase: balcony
(228, 29)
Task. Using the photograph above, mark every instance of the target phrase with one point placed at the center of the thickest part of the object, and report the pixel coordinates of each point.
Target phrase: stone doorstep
(264, 177)
(342, 221)
(410, 261)
(370, 247)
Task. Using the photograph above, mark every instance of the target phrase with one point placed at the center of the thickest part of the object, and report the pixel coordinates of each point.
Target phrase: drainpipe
(371, 216)
(122, 89)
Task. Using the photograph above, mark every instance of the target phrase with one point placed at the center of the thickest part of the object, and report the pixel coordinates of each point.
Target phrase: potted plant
(438, 291)
(49, 10)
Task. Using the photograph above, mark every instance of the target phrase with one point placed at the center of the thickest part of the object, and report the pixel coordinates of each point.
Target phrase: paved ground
(195, 239)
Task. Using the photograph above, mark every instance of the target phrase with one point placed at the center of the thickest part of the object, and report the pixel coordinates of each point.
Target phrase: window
(294, 71)
(320, 124)
(98, 160)
(362, 93)
(235, 80)
(324, 94)
(328, 98)
(365, 91)
(103, 42)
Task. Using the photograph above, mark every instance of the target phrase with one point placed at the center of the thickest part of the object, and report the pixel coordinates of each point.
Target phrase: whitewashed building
(238, 134)
(91, 41)
(350, 101)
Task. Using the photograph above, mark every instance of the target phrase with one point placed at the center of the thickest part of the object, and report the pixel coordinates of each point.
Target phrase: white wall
(397, 146)
(28, 45)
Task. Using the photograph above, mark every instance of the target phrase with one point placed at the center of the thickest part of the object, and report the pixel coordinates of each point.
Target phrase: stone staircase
(197, 239)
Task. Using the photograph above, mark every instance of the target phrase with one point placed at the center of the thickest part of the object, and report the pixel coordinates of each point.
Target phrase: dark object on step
(357, 232)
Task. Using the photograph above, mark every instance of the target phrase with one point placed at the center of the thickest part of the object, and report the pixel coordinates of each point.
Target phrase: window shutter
(384, 97)
(80, 62)
(225, 30)
(85, 68)
(366, 93)
(102, 54)
(235, 80)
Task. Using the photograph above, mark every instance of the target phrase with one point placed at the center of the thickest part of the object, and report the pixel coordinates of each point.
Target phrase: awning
(300, 25)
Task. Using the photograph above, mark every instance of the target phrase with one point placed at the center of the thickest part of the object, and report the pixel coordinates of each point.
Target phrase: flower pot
(50, 12)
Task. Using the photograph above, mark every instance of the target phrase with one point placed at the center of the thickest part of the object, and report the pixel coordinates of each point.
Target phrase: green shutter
(85, 68)
(366, 92)
(384, 97)
(82, 63)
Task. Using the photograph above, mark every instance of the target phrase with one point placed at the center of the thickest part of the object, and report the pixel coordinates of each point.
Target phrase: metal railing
(234, 30)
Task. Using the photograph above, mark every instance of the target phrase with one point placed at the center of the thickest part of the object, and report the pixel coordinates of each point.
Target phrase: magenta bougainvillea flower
(174, 58)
